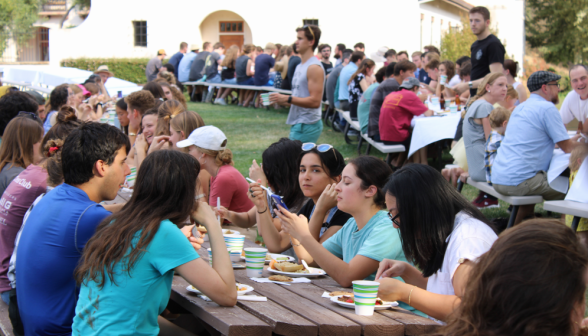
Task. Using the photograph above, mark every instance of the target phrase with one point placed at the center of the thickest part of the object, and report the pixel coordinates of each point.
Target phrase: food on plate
(268, 257)
(286, 266)
(240, 287)
(231, 232)
(379, 302)
(282, 278)
(337, 293)
(346, 298)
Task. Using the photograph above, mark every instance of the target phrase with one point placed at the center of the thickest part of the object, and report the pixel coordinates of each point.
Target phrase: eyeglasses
(29, 115)
(311, 32)
(321, 148)
(556, 84)
(394, 219)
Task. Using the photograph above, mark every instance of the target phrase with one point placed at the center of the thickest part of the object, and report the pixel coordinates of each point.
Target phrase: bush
(129, 69)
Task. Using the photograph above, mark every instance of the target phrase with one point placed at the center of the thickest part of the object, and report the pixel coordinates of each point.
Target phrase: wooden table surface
(298, 309)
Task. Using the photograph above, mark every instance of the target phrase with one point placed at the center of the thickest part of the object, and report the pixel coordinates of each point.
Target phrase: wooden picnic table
(298, 309)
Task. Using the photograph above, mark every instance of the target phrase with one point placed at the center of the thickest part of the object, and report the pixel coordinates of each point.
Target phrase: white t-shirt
(469, 240)
(454, 81)
(574, 108)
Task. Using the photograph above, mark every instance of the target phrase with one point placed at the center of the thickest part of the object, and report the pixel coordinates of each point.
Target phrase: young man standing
(339, 49)
(58, 227)
(575, 106)
(154, 65)
(487, 52)
(177, 57)
(307, 89)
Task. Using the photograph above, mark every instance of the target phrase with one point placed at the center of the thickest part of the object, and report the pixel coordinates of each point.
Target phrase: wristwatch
(290, 100)
(101, 104)
(471, 84)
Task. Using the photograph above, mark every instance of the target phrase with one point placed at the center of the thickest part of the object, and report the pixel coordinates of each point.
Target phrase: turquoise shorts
(306, 132)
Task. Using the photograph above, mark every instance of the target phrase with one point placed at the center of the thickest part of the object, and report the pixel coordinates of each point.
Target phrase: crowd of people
(87, 268)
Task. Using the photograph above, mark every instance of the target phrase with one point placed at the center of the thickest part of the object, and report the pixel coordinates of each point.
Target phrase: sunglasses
(29, 115)
(321, 148)
(394, 219)
(311, 32)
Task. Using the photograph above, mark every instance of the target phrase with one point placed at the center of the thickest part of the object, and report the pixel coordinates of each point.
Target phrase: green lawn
(251, 131)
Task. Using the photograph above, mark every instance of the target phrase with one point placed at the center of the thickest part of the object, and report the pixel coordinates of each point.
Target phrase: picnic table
(298, 309)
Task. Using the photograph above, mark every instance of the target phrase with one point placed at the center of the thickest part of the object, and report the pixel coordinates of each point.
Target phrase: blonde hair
(512, 92)
(221, 158)
(231, 57)
(75, 88)
(186, 122)
(498, 116)
(488, 80)
(167, 111)
(248, 49)
(176, 93)
(579, 153)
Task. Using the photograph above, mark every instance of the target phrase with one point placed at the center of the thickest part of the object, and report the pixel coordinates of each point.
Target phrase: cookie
(337, 293)
(282, 278)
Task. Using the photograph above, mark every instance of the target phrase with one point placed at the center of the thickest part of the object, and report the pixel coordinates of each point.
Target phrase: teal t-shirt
(132, 305)
(363, 108)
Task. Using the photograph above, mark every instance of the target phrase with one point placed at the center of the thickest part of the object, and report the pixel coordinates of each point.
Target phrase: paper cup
(443, 79)
(364, 296)
(254, 261)
(235, 245)
(435, 100)
(453, 108)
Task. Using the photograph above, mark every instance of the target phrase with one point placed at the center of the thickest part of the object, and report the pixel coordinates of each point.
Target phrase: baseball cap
(206, 137)
(161, 52)
(410, 82)
(537, 79)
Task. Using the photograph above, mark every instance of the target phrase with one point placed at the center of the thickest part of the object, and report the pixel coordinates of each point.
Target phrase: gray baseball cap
(410, 82)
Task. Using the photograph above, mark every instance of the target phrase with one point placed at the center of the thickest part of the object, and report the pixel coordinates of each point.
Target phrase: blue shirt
(175, 61)
(185, 65)
(131, 306)
(47, 124)
(423, 76)
(377, 240)
(48, 253)
(533, 129)
(263, 64)
(346, 73)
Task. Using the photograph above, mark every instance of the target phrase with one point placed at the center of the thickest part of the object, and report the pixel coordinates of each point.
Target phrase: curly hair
(169, 77)
(12, 103)
(140, 100)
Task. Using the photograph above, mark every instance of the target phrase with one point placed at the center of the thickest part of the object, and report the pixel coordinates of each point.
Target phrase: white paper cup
(364, 296)
(235, 245)
(443, 79)
(435, 100)
(254, 261)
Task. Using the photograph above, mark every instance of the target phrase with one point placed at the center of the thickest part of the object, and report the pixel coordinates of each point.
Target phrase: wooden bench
(386, 149)
(576, 209)
(515, 201)
(5, 324)
(351, 124)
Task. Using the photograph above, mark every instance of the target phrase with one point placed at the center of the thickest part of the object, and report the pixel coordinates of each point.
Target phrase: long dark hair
(363, 68)
(155, 90)
(528, 283)
(332, 161)
(372, 171)
(280, 166)
(427, 205)
(165, 189)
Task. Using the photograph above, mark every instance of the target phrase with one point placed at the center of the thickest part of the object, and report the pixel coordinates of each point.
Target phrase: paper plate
(386, 305)
(317, 272)
(275, 256)
(247, 289)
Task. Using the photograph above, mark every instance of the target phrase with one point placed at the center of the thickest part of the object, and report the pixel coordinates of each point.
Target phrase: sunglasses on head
(311, 32)
(29, 115)
(321, 148)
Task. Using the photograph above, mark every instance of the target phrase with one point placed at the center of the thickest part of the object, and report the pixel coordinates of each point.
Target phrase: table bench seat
(5, 324)
(576, 209)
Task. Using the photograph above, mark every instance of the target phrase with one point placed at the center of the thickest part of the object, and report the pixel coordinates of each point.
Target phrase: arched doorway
(226, 27)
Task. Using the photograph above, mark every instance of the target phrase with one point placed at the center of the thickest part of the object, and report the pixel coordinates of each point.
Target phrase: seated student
(498, 120)
(24, 189)
(354, 252)
(40, 100)
(578, 156)
(510, 70)
(292, 64)
(456, 79)
(263, 63)
(21, 147)
(126, 270)
(168, 77)
(509, 101)
(172, 92)
(11, 104)
(228, 74)
(166, 91)
(363, 107)
(432, 69)
(446, 68)
(359, 81)
(281, 65)
(531, 282)
(279, 172)
(244, 68)
(208, 145)
(465, 74)
(155, 90)
(94, 167)
(319, 172)
(343, 82)
(122, 115)
(211, 68)
(137, 103)
(165, 114)
(444, 237)
(145, 139)
(398, 110)
(59, 96)
(477, 129)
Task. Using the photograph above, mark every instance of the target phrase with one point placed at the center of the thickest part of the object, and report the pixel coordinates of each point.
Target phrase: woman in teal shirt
(354, 252)
(127, 267)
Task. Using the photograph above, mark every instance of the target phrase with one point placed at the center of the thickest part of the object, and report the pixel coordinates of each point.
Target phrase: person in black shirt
(292, 64)
(320, 171)
(487, 52)
(325, 52)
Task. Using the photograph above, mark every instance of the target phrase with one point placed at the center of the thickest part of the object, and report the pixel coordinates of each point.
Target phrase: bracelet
(262, 211)
(292, 243)
(410, 294)
(132, 134)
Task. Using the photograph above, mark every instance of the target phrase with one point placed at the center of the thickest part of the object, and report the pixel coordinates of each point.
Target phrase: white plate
(275, 256)
(317, 272)
(243, 292)
(386, 305)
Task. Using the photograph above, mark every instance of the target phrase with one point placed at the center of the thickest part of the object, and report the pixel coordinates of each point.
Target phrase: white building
(138, 28)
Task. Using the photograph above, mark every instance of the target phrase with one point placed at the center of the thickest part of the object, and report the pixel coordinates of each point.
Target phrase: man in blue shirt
(533, 130)
(177, 57)
(186, 63)
(58, 227)
(346, 73)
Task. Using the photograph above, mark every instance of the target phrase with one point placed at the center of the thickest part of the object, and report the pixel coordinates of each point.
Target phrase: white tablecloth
(577, 192)
(428, 130)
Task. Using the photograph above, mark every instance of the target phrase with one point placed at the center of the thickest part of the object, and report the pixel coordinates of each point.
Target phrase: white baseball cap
(206, 137)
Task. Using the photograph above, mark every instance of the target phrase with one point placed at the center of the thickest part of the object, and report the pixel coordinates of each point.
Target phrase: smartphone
(277, 200)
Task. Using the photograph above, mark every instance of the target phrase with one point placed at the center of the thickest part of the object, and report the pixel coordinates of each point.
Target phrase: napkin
(294, 280)
(326, 295)
(240, 298)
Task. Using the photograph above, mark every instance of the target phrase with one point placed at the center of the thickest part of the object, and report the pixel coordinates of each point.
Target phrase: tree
(559, 29)
(80, 3)
(457, 42)
(18, 16)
